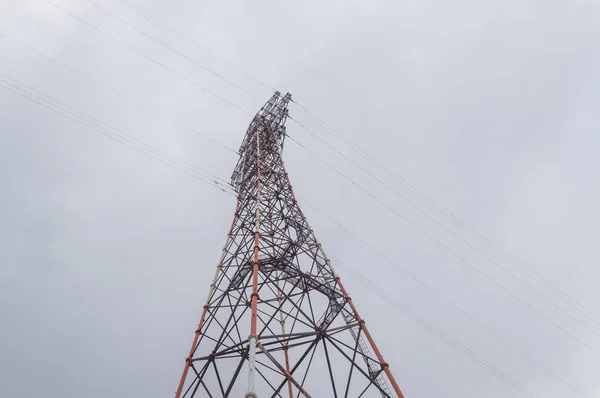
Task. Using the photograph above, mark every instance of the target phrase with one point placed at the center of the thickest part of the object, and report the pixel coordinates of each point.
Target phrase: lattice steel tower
(278, 321)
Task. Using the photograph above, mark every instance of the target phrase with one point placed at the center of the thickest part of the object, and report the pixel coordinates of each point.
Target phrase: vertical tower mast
(276, 311)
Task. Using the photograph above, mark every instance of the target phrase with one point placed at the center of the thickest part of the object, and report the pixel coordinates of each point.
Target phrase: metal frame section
(277, 321)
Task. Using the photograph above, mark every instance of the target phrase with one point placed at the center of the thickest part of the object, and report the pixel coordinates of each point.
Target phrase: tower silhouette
(278, 321)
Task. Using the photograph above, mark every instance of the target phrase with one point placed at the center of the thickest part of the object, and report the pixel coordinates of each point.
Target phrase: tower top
(269, 124)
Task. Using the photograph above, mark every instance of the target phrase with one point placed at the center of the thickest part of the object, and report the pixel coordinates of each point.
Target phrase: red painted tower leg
(386, 367)
(253, 339)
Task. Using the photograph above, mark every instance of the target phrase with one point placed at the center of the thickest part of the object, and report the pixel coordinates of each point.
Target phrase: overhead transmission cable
(448, 301)
(218, 184)
(202, 48)
(335, 222)
(296, 141)
(467, 243)
(171, 48)
(150, 59)
(105, 129)
(77, 18)
(358, 150)
(97, 125)
(463, 224)
(339, 136)
(448, 249)
(120, 94)
(435, 330)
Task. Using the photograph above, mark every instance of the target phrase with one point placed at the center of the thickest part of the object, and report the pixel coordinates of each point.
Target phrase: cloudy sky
(488, 108)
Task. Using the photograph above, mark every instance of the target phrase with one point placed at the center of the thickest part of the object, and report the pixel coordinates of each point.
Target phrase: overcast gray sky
(490, 108)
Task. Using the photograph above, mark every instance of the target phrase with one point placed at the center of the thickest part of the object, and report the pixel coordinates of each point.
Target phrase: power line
(503, 375)
(136, 144)
(171, 48)
(148, 58)
(119, 93)
(440, 296)
(449, 250)
(471, 246)
(353, 146)
(435, 330)
(463, 224)
(11, 90)
(110, 132)
(163, 25)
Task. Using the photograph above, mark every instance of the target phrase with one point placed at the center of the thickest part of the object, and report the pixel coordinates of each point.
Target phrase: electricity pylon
(278, 321)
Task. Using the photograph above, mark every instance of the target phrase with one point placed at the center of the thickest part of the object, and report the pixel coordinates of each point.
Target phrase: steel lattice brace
(278, 321)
